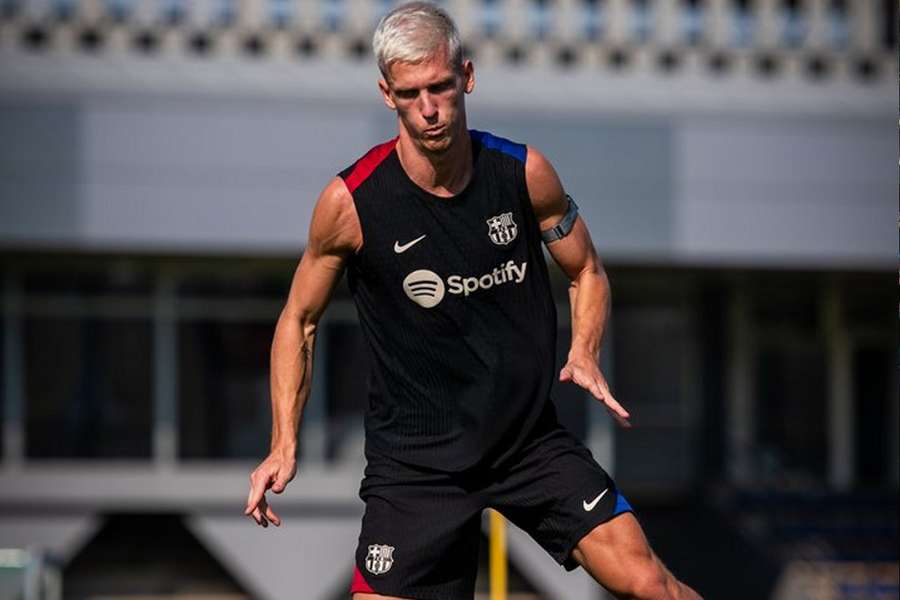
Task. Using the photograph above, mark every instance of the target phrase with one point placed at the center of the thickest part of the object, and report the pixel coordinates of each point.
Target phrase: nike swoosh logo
(401, 249)
(589, 506)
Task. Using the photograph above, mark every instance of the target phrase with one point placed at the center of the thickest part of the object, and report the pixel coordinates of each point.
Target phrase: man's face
(429, 99)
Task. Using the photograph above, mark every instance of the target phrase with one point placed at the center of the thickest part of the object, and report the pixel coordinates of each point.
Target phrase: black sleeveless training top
(454, 301)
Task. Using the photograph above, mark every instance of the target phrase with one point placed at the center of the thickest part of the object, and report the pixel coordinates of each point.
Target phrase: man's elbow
(304, 321)
(591, 269)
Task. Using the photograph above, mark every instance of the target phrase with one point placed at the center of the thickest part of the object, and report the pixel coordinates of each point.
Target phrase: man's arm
(334, 234)
(589, 294)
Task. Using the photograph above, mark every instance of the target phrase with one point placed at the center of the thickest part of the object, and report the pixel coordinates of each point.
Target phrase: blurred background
(736, 162)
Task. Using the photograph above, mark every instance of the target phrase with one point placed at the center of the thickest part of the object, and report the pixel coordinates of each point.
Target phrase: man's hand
(584, 371)
(274, 472)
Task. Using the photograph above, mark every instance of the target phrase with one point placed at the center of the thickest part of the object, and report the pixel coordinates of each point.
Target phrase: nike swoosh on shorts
(589, 506)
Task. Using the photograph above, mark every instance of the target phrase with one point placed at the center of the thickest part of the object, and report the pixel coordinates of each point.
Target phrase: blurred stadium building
(736, 163)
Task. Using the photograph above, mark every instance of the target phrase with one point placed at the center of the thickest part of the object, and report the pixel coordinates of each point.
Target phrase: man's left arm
(589, 293)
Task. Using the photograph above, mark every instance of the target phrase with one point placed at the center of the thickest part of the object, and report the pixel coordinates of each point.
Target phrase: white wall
(201, 173)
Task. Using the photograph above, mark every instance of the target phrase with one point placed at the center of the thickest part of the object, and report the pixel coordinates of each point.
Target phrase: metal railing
(565, 32)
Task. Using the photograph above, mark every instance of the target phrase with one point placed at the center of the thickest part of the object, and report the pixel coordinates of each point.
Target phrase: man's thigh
(557, 493)
(419, 537)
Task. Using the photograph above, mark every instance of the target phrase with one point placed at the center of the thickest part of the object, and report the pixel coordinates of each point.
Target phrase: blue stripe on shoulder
(489, 140)
(621, 505)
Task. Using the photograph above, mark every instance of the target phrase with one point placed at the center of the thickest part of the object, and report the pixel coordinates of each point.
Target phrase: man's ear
(468, 73)
(386, 94)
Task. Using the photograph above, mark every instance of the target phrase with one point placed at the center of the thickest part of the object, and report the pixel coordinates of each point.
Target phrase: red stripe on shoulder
(359, 584)
(366, 165)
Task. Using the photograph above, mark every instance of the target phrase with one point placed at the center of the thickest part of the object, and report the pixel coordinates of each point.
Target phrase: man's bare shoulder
(544, 187)
(335, 227)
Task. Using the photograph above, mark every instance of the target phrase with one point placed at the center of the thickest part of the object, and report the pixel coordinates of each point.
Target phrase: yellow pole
(498, 556)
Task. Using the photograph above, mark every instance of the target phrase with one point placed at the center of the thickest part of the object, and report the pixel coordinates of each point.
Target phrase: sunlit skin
(429, 99)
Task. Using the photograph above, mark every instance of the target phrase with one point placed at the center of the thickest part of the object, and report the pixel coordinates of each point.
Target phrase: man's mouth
(435, 131)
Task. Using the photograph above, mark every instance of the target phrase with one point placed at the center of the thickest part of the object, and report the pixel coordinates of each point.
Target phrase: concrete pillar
(741, 425)
(841, 417)
(818, 18)
(145, 13)
(618, 14)
(863, 25)
(718, 23)
(569, 27)
(515, 23)
(465, 13)
(13, 373)
(767, 31)
(667, 31)
(165, 373)
(251, 15)
(893, 447)
(201, 14)
(360, 18)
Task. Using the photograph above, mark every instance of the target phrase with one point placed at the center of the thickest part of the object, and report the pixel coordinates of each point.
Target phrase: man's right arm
(334, 235)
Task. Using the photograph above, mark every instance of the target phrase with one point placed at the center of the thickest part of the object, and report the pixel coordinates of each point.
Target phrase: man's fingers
(600, 391)
(614, 405)
(270, 514)
(256, 494)
(260, 519)
(598, 388)
(258, 485)
(272, 475)
(615, 409)
(620, 420)
(587, 383)
(280, 483)
(251, 501)
(260, 513)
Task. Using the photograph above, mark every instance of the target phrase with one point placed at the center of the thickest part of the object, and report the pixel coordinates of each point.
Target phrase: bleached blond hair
(413, 33)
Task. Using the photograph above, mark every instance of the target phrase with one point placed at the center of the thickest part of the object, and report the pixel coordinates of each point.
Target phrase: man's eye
(441, 87)
(407, 94)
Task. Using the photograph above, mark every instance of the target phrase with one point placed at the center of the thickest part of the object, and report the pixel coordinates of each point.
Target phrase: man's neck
(445, 174)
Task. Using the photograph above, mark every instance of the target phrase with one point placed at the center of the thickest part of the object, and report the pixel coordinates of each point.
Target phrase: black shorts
(421, 529)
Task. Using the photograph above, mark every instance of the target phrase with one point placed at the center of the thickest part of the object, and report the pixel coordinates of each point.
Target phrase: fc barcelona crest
(380, 559)
(502, 229)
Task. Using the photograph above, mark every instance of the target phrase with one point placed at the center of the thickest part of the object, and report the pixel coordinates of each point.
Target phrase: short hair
(413, 33)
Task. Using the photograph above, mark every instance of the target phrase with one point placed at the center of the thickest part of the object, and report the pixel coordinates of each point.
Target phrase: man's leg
(616, 553)
(419, 535)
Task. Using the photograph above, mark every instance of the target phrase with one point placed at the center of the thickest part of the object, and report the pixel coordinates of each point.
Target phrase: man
(440, 232)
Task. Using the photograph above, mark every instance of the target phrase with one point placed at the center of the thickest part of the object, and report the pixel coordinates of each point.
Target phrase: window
(656, 379)
(223, 389)
(3, 384)
(88, 386)
(791, 376)
(875, 387)
(792, 410)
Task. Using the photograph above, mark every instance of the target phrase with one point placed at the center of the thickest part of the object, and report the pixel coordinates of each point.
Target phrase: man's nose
(428, 106)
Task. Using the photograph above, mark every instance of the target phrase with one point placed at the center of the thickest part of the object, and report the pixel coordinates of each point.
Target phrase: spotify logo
(424, 287)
